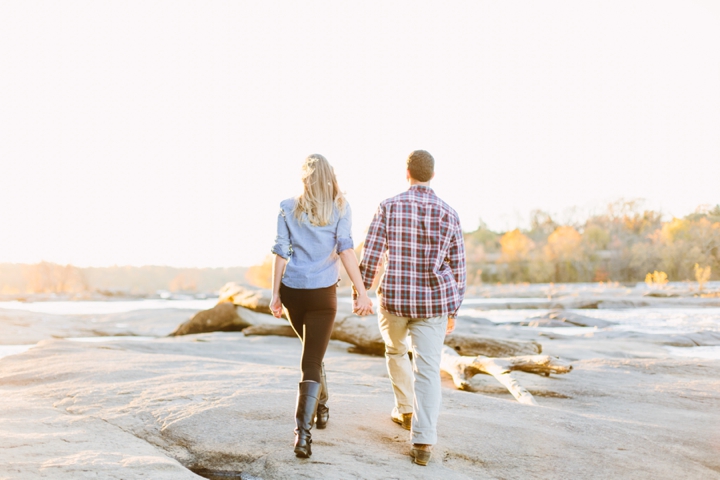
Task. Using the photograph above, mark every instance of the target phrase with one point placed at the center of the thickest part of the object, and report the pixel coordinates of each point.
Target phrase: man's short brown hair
(421, 165)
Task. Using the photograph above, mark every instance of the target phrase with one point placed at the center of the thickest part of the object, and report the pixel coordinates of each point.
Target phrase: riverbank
(142, 405)
(223, 402)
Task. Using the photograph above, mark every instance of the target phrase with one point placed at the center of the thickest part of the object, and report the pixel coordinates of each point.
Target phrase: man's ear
(407, 175)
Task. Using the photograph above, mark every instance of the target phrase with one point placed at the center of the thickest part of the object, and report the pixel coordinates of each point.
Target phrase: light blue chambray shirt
(312, 252)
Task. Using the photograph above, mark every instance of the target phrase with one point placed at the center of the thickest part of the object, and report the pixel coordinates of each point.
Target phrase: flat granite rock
(20, 327)
(224, 402)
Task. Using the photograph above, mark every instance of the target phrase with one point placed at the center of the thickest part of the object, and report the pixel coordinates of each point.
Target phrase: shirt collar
(421, 189)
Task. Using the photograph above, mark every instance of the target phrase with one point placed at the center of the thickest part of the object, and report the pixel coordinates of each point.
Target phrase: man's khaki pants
(421, 397)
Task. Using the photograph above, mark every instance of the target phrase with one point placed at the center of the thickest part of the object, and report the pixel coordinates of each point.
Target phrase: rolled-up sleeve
(283, 245)
(344, 231)
(374, 248)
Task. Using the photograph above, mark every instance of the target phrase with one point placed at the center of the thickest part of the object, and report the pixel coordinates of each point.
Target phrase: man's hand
(276, 306)
(450, 326)
(363, 305)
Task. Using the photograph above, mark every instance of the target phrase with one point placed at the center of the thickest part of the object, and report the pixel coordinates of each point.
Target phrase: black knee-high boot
(323, 412)
(307, 402)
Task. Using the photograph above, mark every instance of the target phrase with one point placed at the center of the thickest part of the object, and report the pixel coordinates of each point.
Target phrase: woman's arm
(282, 250)
(363, 305)
(277, 274)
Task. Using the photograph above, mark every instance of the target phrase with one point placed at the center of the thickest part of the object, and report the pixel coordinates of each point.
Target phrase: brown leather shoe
(421, 453)
(404, 420)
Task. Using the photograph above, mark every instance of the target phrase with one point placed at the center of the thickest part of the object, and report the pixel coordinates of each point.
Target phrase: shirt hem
(309, 288)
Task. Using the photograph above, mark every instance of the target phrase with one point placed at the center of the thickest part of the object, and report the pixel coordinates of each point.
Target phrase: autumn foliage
(624, 244)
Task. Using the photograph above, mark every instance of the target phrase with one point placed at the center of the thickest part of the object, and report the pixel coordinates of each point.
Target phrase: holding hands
(362, 305)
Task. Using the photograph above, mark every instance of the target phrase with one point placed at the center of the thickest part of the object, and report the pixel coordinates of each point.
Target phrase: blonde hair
(320, 192)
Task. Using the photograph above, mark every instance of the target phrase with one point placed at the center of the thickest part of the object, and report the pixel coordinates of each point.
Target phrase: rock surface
(560, 318)
(224, 402)
(134, 408)
(20, 327)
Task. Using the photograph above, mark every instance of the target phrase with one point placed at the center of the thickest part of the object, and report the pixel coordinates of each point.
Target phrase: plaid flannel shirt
(421, 241)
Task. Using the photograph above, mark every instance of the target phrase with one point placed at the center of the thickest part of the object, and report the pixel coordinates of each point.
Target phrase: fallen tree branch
(469, 344)
(222, 317)
(363, 332)
(255, 300)
(269, 329)
(463, 368)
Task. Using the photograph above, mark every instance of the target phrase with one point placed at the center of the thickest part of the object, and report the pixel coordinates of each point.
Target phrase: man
(421, 241)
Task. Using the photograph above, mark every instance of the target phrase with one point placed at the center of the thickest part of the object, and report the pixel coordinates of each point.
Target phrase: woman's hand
(276, 306)
(363, 305)
(277, 274)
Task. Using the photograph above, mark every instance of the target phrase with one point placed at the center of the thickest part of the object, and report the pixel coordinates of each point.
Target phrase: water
(501, 301)
(660, 320)
(6, 350)
(101, 308)
(643, 319)
(696, 352)
(98, 308)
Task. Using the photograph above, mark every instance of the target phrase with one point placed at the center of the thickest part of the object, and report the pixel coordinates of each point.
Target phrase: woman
(313, 237)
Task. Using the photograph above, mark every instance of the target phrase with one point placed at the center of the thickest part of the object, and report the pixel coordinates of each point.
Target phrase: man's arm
(373, 248)
(456, 258)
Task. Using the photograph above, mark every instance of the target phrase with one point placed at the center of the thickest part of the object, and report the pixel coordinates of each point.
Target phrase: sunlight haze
(167, 133)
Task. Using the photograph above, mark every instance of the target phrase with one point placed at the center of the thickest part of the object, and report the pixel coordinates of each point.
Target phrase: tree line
(48, 278)
(624, 243)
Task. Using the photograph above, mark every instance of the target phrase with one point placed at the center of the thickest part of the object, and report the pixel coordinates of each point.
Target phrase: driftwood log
(463, 356)
(222, 317)
(253, 309)
(463, 368)
(469, 344)
(270, 329)
(362, 332)
(255, 300)
(359, 332)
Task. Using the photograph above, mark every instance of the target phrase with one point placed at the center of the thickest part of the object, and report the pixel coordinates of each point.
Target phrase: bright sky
(167, 132)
